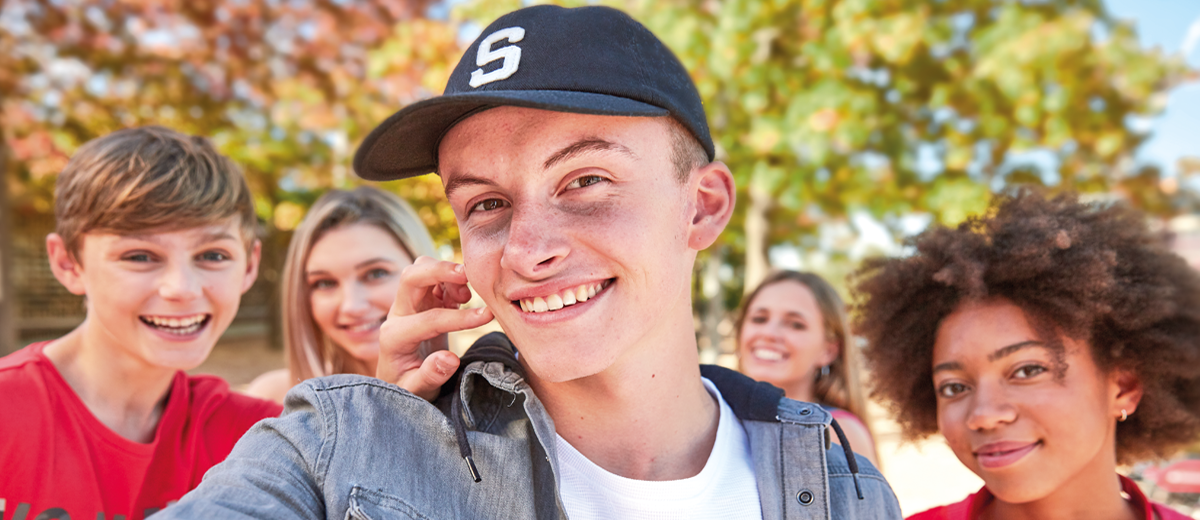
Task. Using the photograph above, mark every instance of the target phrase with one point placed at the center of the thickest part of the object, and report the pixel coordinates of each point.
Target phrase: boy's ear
(252, 262)
(64, 265)
(713, 195)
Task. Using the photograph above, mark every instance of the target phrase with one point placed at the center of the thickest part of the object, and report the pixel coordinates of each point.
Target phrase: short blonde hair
(309, 352)
(151, 178)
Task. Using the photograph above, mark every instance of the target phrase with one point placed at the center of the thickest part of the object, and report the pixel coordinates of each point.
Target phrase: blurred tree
(828, 108)
(285, 88)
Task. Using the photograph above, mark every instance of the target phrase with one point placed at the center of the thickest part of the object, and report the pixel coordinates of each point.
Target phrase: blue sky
(1174, 27)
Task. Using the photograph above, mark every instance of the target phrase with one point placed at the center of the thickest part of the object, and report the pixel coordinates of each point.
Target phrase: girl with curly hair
(1048, 341)
(792, 332)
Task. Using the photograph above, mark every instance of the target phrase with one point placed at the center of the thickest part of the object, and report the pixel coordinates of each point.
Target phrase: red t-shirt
(57, 459)
(972, 506)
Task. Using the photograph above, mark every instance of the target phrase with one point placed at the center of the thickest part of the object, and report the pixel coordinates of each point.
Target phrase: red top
(56, 457)
(972, 506)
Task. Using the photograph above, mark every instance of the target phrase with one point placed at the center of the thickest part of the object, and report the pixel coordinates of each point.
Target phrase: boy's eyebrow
(456, 182)
(215, 236)
(582, 146)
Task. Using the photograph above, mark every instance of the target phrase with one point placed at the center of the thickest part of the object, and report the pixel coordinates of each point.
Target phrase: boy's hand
(412, 341)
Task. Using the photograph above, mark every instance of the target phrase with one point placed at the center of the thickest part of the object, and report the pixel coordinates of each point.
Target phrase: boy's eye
(213, 256)
(586, 180)
(1028, 371)
(949, 390)
(137, 257)
(489, 205)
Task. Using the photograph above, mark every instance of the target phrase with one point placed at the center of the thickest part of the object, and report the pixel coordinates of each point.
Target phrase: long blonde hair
(840, 387)
(309, 352)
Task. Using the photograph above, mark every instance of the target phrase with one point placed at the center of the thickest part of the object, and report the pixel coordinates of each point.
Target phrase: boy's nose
(535, 246)
(180, 283)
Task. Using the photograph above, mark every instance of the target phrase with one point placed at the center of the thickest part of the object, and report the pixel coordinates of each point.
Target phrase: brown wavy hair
(1091, 272)
(149, 179)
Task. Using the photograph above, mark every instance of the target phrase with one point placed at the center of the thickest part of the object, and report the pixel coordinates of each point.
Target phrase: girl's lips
(999, 455)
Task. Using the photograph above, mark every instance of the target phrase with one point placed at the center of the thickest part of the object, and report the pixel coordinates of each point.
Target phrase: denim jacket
(354, 447)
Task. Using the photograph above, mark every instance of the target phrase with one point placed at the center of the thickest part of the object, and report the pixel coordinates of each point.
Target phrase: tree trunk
(756, 236)
(714, 295)
(8, 318)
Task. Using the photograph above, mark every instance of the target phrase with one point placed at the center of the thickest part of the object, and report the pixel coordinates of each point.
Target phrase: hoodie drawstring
(460, 432)
(837, 428)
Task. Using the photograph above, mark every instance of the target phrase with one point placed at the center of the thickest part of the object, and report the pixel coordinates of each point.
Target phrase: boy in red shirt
(157, 230)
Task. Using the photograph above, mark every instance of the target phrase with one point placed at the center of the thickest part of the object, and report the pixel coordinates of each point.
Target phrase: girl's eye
(1028, 371)
(758, 319)
(797, 325)
(586, 180)
(322, 284)
(213, 256)
(489, 205)
(949, 390)
(376, 274)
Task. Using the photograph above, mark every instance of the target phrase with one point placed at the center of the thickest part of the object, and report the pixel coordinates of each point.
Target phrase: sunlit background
(849, 124)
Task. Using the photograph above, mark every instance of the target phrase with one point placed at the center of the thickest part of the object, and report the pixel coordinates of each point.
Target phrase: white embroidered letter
(511, 54)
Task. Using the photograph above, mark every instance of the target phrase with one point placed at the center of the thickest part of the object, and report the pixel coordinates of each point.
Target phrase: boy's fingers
(426, 382)
(419, 279)
(431, 323)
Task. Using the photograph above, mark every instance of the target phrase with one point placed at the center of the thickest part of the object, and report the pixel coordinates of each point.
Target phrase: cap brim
(405, 145)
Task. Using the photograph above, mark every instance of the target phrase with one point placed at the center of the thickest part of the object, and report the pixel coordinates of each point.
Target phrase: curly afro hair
(1092, 272)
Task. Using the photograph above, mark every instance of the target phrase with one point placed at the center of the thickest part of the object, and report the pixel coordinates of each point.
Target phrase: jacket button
(805, 411)
(804, 497)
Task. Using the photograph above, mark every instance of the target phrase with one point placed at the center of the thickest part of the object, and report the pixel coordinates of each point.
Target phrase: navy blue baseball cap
(587, 60)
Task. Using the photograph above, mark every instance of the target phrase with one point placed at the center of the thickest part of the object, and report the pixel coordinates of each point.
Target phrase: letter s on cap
(511, 54)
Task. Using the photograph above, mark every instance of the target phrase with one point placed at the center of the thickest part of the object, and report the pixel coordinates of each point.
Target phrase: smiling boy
(575, 153)
(156, 230)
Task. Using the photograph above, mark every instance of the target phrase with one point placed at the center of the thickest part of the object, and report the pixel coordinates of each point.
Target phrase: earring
(1124, 415)
(825, 371)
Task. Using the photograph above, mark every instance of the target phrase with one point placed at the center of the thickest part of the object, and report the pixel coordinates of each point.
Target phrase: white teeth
(179, 326)
(567, 298)
(767, 355)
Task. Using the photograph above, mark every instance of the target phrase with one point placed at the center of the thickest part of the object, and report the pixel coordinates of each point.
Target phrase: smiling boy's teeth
(567, 298)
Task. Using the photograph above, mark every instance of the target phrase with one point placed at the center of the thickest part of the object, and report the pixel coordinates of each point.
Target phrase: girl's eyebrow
(1009, 350)
(999, 353)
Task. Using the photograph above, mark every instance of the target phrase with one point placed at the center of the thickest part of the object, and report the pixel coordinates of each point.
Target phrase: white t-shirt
(724, 489)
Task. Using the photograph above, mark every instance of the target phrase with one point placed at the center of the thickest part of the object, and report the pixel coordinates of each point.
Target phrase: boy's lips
(556, 300)
(1001, 454)
(179, 326)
